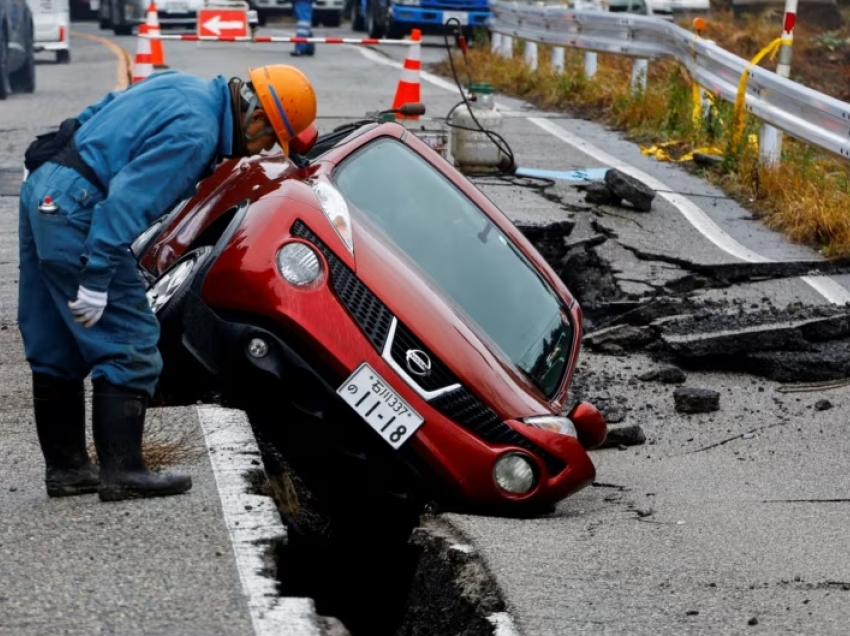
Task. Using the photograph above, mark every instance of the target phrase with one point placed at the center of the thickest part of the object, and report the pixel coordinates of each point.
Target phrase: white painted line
(825, 286)
(251, 520)
(504, 624)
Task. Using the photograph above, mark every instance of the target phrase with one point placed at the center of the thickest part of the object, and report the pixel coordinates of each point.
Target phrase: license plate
(462, 16)
(373, 399)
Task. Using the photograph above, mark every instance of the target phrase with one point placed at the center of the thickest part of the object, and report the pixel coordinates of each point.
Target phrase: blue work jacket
(149, 145)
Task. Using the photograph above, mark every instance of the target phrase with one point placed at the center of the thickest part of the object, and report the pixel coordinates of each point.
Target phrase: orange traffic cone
(143, 66)
(152, 23)
(408, 85)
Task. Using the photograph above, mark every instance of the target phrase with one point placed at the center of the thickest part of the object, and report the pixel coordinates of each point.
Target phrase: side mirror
(305, 140)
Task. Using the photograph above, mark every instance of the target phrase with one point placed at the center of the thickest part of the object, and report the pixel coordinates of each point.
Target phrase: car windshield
(457, 246)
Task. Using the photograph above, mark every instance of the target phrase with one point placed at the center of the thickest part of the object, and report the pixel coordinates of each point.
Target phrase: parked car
(122, 16)
(52, 20)
(17, 48)
(383, 315)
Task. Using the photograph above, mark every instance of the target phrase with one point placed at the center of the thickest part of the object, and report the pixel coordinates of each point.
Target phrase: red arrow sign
(228, 23)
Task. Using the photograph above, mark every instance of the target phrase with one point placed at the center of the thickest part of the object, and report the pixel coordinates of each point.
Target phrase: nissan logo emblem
(418, 362)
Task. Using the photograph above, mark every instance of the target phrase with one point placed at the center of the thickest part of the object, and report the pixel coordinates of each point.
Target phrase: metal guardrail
(800, 111)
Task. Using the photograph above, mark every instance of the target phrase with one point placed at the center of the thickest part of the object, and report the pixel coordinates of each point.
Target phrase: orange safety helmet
(287, 97)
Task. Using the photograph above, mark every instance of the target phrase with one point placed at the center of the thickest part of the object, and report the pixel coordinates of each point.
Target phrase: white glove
(89, 306)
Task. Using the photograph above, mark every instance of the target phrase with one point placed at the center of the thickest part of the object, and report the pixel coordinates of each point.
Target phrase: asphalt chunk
(694, 400)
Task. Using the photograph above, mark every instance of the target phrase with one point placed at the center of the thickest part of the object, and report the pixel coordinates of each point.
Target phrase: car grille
(371, 315)
(374, 319)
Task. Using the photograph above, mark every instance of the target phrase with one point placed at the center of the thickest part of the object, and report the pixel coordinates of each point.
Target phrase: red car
(366, 297)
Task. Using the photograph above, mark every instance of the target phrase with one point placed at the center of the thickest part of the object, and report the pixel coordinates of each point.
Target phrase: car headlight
(336, 209)
(554, 423)
(141, 241)
(409, 3)
(514, 473)
(298, 264)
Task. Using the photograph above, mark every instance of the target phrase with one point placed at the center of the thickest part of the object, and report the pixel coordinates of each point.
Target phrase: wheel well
(214, 232)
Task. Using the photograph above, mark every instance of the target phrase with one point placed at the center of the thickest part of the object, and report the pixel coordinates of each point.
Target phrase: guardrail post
(558, 59)
(507, 46)
(770, 148)
(590, 64)
(495, 42)
(639, 71)
(531, 55)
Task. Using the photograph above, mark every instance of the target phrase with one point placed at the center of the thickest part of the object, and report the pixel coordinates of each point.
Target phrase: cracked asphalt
(727, 522)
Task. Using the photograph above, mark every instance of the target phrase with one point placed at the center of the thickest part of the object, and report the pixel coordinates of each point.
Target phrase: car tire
(183, 379)
(376, 25)
(23, 80)
(63, 56)
(5, 87)
(332, 19)
(395, 31)
(167, 294)
(357, 21)
(122, 29)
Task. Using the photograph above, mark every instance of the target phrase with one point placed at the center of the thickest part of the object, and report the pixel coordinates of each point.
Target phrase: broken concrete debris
(664, 375)
(624, 436)
(667, 319)
(618, 187)
(626, 187)
(622, 336)
(599, 193)
(695, 400)
(823, 405)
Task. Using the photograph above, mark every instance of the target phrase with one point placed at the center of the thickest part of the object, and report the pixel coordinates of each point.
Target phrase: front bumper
(38, 47)
(418, 15)
(285, 6)
(307, 385)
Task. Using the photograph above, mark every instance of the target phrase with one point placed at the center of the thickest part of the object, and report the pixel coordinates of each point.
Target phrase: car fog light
(258, 348)
(514, 473)
(554, 423)
(298, 264)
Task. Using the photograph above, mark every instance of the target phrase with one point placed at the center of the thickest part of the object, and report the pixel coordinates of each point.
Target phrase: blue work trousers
(303, 10)
(122, 346)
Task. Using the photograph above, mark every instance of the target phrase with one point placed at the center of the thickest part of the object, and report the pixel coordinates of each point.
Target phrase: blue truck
(395, 19)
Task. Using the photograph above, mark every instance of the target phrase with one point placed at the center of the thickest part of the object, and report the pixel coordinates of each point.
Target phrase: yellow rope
(740, 100)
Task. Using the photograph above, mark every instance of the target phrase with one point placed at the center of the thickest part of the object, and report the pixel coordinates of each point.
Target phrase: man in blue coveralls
(82, 306)
(303, 10)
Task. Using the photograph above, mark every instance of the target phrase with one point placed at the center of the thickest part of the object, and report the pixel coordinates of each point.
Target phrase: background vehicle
(300, 284)
(52, 20)
(326, 12)
(123, 15)
(17, 53)
(397, 18)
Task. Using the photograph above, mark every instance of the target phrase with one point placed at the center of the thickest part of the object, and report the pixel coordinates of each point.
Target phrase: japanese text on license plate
(373, 399)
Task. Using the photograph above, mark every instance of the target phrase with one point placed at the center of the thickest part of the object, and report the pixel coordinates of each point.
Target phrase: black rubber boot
(60, 420)
(118, 420)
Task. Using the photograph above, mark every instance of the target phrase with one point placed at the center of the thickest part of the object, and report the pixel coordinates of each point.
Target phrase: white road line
(504, 624)
(825, 286)
(251, 520)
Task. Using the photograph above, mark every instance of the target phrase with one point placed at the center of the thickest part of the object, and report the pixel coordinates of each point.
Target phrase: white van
(52, 20)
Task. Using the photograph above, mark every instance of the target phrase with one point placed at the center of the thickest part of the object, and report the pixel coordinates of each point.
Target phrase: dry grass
(807, 196)
(167, 445)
